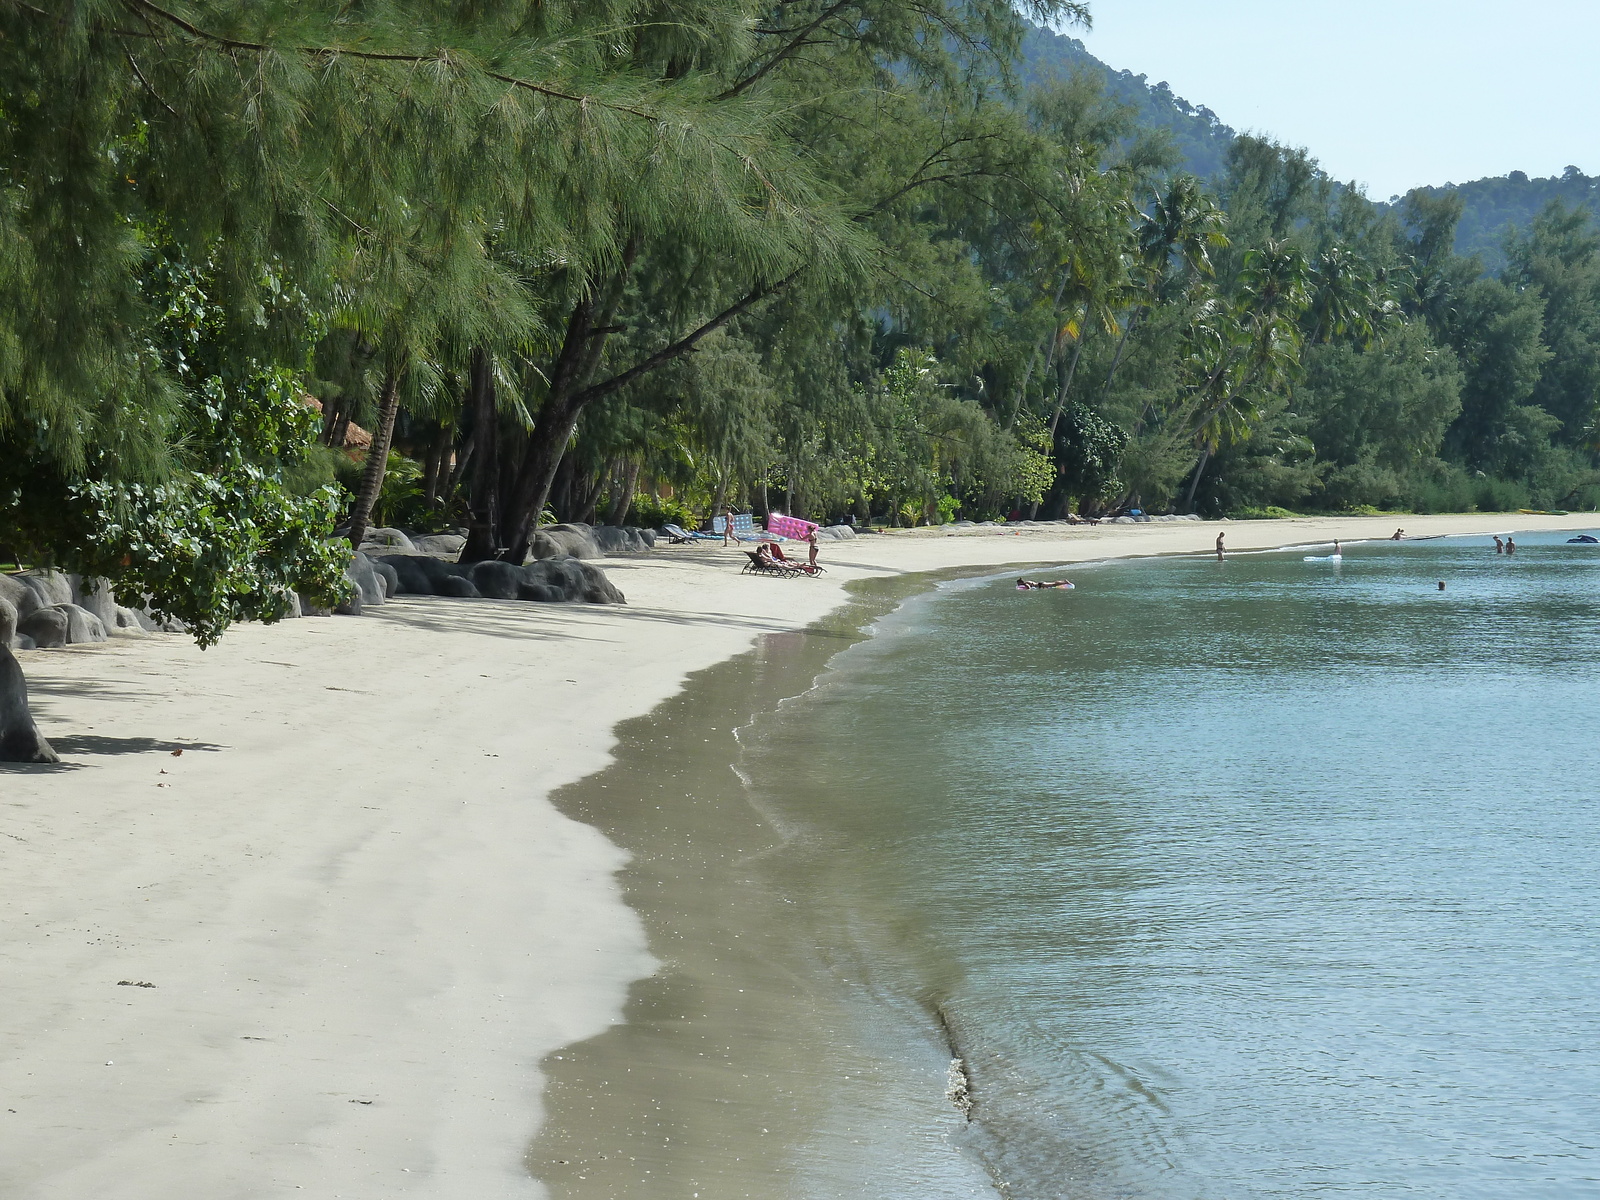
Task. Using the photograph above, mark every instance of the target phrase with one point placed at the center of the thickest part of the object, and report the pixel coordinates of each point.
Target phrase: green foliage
(652, 512)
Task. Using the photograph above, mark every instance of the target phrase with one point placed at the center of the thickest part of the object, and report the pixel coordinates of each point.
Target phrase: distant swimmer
(1033, 585)
(1397, 535)
(1338, 551)
(1511, 546)
(1499, 546)
(1441, 585)
(1220, 547)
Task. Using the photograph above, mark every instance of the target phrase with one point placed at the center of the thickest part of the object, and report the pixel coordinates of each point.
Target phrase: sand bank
(364, 922)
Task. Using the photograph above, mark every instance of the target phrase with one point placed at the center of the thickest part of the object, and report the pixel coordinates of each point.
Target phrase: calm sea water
(1258, 879)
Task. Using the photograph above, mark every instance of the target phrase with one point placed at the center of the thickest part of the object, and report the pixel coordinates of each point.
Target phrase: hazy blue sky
(1391, 93)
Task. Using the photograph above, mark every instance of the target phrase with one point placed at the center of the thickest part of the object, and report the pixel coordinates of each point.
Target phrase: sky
(1390, 93)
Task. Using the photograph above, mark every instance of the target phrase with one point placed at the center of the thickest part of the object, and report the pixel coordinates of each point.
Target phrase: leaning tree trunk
(547, 443)
(483, 527)
(20, 740)
(377, 459)
(1194, 484)
(623, 501)
(434, 481)
(1061, 405)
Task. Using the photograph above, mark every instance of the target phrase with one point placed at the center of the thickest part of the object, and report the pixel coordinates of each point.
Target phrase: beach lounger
(765, 566)
(682, 537)
(804, 568)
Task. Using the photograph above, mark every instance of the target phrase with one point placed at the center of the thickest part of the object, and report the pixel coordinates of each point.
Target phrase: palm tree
(1343, 296)
(1248, 349)
(1183, 224)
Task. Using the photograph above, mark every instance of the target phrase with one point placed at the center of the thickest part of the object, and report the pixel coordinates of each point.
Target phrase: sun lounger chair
(760, 565)
(794, 564)
(681, 536)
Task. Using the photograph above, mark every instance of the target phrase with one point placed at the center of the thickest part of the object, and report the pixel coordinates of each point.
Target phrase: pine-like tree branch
(148, 8)
(791, 48)
(689, 341)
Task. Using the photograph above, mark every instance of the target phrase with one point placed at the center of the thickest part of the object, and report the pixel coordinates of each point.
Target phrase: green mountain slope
(1200, 137)
(1491, 207)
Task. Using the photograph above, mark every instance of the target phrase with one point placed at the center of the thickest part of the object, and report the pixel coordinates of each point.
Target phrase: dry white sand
(364, 922)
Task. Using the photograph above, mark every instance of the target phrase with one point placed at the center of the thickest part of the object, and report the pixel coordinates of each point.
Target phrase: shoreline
(365, 920)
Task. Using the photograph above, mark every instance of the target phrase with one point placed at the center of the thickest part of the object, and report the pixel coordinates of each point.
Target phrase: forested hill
(1199, 137)
(1490, 207)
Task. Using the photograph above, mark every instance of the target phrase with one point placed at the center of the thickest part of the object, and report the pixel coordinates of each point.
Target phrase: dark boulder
(390, 577)
(574, 539)
(438, 570)
(597, 589)
(563, 576)
(621, 539)
(440, 543)
(46, 626)
(410, 576)
(22, 598)
(573, 580)
(19, 738)
(497, 580)
(82, 625)
(540, 593)
(385, 537)
(460, 586)
(364, 578)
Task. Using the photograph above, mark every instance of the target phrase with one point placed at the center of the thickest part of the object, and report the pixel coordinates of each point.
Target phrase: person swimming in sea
(1511, 545)
(1499, 546)
(1033, 585)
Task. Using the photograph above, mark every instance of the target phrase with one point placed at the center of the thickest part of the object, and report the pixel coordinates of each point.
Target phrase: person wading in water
(1219, 547)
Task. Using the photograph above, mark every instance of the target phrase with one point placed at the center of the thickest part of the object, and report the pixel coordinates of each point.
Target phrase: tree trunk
(433, 478)
(1122, 344)
(1194, 484)
(463, 460)
(588, 499)
(721, 495)
(377, 458)
(547, 444)
(483, 523)
(623, 500)
(1061, 396)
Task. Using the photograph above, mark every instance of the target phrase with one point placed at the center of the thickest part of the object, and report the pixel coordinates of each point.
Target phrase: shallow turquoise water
(1256, 879)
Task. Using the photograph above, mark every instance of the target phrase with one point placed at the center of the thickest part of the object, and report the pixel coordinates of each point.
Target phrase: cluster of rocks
(44, 609)
(571, 540)
(549, 580)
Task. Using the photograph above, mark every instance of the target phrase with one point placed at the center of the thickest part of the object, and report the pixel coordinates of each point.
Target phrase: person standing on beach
(811, 539)
(1219, 547)
(729, 538)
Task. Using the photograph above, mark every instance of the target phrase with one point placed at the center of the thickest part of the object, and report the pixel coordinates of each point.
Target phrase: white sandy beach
(364, 922)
